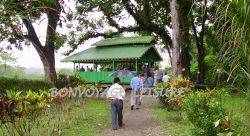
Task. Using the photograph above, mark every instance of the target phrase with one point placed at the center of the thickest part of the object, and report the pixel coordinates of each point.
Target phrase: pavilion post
(113, 65)
(94, 67)
(136, 65)
(74, 67)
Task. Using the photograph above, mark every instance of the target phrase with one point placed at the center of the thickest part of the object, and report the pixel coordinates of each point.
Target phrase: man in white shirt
(116, 93)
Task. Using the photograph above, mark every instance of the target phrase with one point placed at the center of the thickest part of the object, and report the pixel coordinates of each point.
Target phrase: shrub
(202, 110)
(230, 125)
(174, 93)
(68, 81)
(22, 85)
(206, 112)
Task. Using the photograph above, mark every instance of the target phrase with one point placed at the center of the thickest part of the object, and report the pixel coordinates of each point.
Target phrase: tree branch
(111, 21)
(53, 18)
(32, 36)
(150, 27)
(89, 35)
(132, 13)
(204, 18)
(195, 31)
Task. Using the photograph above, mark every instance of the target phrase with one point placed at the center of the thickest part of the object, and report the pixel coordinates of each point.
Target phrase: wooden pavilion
(119, 53)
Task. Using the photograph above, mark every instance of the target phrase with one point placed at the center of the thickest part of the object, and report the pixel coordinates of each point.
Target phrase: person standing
(136, 85)
(145, 70)
(116, 93)
(87, 69)
(154, 75)
(150, 83)
(82, 69)
(159, 76)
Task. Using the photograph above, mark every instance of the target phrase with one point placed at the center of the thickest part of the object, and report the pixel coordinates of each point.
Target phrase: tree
(199, 20)
(185, 36)
(176, 60)
(17, 13)
(5, 57)
(151, 17)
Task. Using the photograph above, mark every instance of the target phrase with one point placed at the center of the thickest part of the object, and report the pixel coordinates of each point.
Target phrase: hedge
(23, 85)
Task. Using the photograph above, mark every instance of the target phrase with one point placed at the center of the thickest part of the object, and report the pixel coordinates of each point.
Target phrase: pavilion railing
(100, 77)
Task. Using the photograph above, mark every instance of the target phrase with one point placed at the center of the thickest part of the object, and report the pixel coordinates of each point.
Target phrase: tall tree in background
(17, 13)
(199, 19)
(5, 58)
(185, 36)
(176, 60)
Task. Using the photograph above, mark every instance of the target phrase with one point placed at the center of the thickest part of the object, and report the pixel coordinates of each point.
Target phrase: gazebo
(131, 53)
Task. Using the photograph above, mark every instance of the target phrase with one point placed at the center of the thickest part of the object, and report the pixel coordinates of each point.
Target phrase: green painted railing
(102, 77)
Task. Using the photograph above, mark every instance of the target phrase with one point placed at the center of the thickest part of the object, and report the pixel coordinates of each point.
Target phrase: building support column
(74, 67)
(136, 65)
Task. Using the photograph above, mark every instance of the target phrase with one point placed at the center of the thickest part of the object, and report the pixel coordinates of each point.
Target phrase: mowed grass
(84, 120)
(175, 124)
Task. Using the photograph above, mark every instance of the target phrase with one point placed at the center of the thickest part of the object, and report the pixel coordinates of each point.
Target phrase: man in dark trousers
(116, 93)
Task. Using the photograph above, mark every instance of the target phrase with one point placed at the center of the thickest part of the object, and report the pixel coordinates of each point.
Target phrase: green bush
(202, 111)
(22, 85)
(68, 81)
(174, 93)
(206, 112)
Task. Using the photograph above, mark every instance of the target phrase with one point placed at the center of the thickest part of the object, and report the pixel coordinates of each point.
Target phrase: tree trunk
(47, 52)
(185, 62)
(201, 64)
(176, 63)
(49, 67)
(48, 59)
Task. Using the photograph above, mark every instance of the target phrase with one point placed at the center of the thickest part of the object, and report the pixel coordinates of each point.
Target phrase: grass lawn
(239, 105)
(175, 124)
(85, 120)
(172, 122)
(95, 118)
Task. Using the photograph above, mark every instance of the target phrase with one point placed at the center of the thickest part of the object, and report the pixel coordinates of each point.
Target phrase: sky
(28, 57)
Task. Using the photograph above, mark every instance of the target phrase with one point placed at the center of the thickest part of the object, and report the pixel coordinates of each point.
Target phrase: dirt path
(137, 122)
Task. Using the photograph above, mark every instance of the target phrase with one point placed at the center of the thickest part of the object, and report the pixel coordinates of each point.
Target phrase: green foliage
(202, 110)
(230, 125)
(232, 27)
(37, 113)
(18, 73)
(174, 93)
(65, 71)
(6, 57)
(210, 63)
(237, 107)
(22, 85)
(206, 111)
(172, 122)
(68, 81)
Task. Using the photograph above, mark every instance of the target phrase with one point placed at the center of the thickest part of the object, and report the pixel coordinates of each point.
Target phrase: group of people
(82, 69)
(116, 94)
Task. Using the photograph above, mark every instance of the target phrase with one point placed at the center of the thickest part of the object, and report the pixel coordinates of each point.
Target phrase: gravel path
(137, 122)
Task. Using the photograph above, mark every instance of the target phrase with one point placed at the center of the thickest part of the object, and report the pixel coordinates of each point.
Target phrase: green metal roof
(109, 53)
(125, 41)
